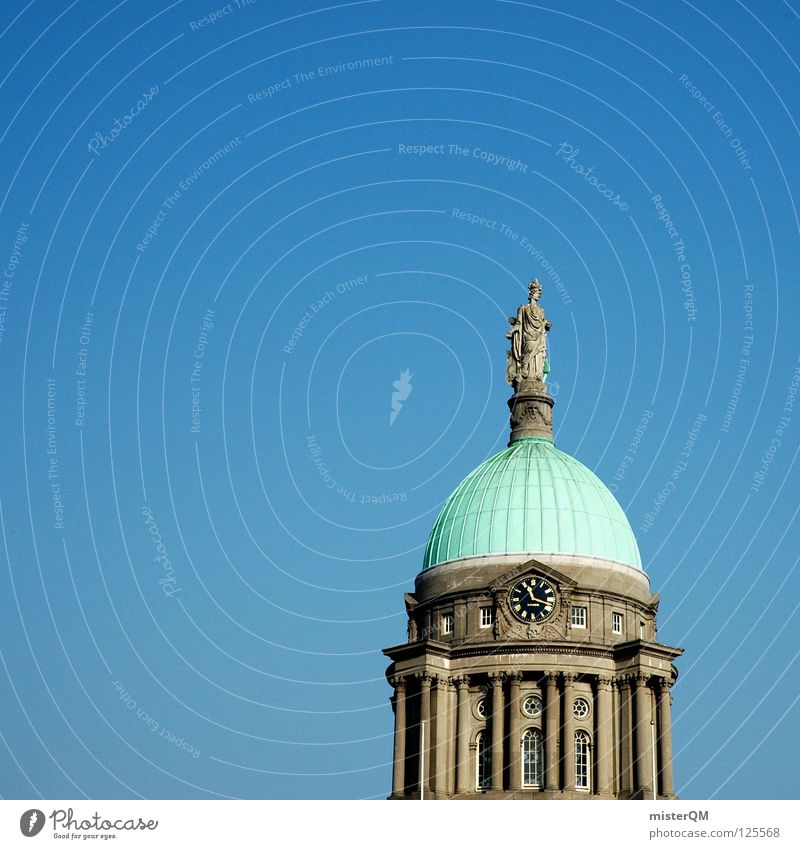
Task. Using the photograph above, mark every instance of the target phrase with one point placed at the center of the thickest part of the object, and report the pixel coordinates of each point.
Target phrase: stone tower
(532, 668)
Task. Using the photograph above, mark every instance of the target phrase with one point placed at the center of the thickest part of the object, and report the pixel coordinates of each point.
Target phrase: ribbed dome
(532, 498)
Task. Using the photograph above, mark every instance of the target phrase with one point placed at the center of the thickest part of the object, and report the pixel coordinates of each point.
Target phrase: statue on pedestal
(527, 356)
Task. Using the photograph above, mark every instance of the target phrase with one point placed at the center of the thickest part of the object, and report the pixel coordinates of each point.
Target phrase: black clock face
(532, 599)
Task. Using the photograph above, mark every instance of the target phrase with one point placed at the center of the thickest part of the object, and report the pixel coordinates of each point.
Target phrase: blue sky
(223, 241)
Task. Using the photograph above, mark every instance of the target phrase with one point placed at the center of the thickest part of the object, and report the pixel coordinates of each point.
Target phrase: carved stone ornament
(555, 627)
(532, 414)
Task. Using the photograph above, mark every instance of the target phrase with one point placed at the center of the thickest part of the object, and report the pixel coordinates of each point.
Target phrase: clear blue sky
(224, 240)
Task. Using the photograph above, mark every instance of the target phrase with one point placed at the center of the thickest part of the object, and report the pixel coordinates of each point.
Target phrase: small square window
(578, 617)
(447, 623)
(487, 617)
(616, 623)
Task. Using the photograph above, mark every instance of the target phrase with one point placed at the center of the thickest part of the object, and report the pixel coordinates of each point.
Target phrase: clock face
(532, 599)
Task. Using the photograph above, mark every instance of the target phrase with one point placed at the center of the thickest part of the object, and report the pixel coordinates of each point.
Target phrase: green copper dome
(532, 498)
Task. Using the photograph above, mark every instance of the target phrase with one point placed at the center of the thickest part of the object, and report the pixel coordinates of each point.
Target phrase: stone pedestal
(531, 410)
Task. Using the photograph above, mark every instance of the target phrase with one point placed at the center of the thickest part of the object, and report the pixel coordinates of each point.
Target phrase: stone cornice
(659, 651)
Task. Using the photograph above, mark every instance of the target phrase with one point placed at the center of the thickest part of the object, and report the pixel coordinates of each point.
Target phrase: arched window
(532, 759)
(581, 760)
(484, 753)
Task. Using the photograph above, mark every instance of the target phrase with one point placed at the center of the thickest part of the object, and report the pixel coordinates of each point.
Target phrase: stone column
(515, 734)
(463, 783)
(615, 711)
(440, 738)
(625, 738)
(497, 730)
(450, 770)
(399, 765)
(569, 731)
(665, 736)
(425, 682)
(552, 718)
(644, 743)
(604, 738)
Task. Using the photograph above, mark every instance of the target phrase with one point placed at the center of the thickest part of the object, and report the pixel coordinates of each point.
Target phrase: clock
(532, 599)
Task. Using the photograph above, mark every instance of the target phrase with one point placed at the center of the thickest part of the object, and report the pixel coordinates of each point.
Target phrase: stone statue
(527, 356)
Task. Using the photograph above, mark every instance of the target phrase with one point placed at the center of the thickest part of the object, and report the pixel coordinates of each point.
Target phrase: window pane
(532, 759)
(484, 763)
(581, 760)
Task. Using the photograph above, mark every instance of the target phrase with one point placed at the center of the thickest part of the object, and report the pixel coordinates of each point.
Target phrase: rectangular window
(581, 760)
(616, 623)
(447, 623)
(641, 630)
(532, 761)
(487, 617)
(578, 617)
(484, 762)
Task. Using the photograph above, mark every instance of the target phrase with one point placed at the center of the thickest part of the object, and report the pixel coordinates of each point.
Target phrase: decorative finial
(527, 369)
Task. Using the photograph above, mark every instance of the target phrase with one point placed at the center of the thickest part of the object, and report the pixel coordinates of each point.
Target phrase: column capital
(425, 678)
(398, 682)
(621, 682)
(515, 678)
(551, 679)
(570, 677)
(603, 682)
(665, 684)
(461, 681)
(640, 679)
(497, 678)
